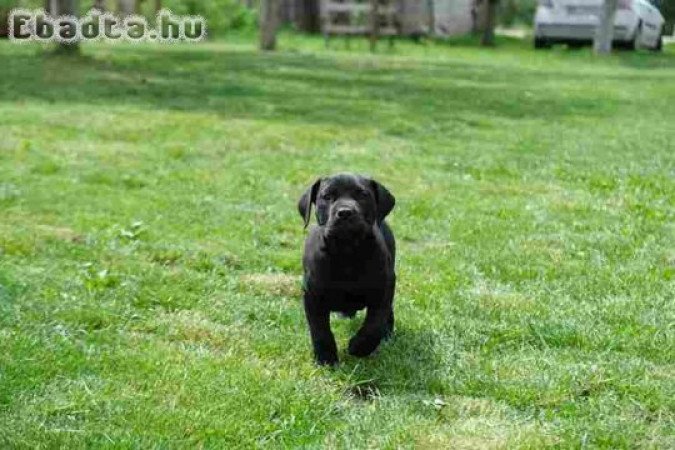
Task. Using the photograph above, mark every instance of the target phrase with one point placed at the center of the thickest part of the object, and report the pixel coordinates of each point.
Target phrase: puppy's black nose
(344, 213)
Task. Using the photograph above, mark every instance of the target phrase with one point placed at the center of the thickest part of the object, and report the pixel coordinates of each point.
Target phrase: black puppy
(348, 262)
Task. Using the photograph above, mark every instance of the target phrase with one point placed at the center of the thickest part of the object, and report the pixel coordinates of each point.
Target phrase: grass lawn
(150, 246)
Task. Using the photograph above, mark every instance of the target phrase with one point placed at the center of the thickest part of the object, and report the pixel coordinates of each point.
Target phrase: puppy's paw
(362, 346)
(326, 358)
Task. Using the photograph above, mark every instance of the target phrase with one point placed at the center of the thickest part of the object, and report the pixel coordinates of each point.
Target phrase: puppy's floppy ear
(305, 203)
(385, 201)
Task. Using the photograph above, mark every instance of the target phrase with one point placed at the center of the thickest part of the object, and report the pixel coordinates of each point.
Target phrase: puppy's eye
(362, 194)
(327, 196)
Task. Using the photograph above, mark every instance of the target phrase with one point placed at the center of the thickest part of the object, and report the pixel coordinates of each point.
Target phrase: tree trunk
(488, 37)
(604, 33)
(270, 15)
(66, 8)
(52, 7)
(99, 5)
(374, 24)
(432, 18)
(127, 7)
(478, 14)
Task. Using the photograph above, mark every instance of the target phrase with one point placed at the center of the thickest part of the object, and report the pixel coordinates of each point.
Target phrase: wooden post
(374, 23)
(309, 16)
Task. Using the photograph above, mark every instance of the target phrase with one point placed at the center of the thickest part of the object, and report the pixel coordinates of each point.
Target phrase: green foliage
(31, 4)
(517, 12)
(150, 246)
(221, 15)
(667, 8)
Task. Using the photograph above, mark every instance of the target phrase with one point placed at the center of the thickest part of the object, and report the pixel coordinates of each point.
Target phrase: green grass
(150, 246)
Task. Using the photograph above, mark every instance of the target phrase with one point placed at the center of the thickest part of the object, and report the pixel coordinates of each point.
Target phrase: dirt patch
(61, 233)
(278, 284)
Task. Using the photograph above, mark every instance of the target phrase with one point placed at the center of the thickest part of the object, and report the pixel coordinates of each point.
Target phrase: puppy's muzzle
(345, 212)
(346, 216)
(346, 221)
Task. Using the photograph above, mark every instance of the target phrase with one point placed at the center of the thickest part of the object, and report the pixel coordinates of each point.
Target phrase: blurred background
(450, 17)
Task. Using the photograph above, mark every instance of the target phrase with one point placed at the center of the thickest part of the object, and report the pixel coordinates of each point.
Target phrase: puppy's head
(346, 205)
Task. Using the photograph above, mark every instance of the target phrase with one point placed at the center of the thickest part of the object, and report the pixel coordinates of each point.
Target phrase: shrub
(517, 12)
(221, 15)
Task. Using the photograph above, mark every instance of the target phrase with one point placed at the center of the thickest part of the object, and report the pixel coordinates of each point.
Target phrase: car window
(647, 5)
(654, 5)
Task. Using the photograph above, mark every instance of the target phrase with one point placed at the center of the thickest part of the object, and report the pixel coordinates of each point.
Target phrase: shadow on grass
(650, 61)
(290, 87)
(407, 363)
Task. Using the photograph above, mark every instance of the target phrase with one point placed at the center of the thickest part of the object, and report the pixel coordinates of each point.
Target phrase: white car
(638, 24)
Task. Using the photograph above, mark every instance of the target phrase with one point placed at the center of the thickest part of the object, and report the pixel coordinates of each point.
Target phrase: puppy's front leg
(378, 325)
(374, 328)
(325, 350)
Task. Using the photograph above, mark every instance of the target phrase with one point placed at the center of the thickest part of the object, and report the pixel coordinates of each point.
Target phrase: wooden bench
(357, 18)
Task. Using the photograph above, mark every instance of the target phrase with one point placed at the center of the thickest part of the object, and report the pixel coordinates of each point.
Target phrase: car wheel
(540, 43)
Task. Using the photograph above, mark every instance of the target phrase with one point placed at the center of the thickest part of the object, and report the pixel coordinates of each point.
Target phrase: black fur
(348, 262)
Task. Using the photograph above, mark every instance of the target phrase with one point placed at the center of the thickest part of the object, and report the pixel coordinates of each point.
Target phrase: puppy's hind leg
(389, 331)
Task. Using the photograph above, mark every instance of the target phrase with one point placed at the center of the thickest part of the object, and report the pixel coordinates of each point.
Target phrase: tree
(667, 8)
(270, 14)
(374, 24)
(127, 7)
(52, 7)
(67, 8)
(488, 36)
(604, 32)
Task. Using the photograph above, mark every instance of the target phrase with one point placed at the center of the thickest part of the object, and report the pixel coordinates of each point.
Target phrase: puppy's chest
(353, 275)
